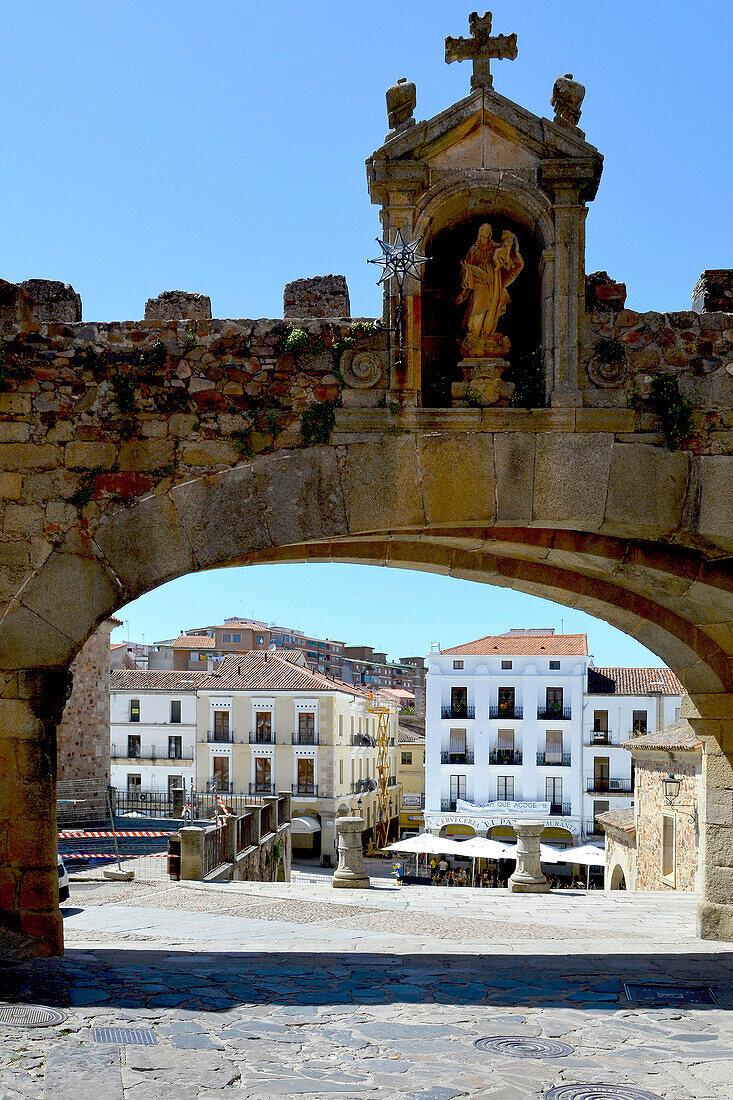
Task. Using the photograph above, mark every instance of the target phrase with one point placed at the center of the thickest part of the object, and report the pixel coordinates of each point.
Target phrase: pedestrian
(442, 868)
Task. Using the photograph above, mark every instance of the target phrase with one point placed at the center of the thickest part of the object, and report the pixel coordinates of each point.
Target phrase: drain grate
(129, 1036)
(517, 1047)
(30, 1016)
(670, 994)
(599, 1092)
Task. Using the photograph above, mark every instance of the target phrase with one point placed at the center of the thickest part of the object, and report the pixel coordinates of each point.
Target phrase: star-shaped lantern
(399, 259)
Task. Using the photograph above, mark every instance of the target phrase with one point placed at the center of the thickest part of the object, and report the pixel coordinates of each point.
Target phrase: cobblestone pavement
(257, 991)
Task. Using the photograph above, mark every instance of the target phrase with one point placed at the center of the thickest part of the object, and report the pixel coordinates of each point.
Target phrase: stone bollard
(350, 873)
(528, 877)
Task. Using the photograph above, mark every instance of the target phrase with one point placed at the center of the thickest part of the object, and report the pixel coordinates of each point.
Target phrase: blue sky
(219, 146)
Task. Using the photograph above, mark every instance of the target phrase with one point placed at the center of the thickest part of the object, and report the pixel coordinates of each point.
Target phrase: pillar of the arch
(31, 705)
(713, 723)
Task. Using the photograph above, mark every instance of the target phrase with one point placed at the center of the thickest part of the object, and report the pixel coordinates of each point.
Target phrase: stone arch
(618, 878)
(489, 193)
(483, 506)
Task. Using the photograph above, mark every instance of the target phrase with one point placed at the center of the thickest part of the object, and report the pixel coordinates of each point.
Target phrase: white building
(521, 724)
(152, 730)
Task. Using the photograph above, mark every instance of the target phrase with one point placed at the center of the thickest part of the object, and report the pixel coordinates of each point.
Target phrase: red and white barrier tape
(88, 834)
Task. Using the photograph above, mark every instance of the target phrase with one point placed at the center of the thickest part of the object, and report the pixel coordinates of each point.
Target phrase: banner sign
(516, 809)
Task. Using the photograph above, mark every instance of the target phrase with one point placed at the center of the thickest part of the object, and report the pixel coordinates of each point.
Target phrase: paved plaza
(257, 990)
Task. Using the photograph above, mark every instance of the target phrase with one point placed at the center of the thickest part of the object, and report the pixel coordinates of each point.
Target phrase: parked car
(63, 881)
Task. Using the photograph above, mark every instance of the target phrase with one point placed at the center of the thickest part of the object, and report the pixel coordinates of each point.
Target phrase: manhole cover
(30, 1016)
(516, 1047)
(131, 1036)
(599, 1092)
(670, 994)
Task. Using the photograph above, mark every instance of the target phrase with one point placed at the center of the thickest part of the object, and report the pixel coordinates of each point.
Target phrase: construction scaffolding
(381, 821)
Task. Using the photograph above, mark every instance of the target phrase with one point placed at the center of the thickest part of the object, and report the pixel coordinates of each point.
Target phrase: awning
(305, 825)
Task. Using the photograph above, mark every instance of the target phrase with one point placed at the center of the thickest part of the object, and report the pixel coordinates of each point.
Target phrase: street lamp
(671, 785)
(400, 259)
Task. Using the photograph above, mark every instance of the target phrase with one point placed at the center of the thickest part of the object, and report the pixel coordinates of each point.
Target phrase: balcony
(554, 714)
(363, 786)
(219, 737)
(304, 739)
(609, 786)
(262, 737)
(598, 737)
(553, 759)
(560, 809)
(592, 828)
(456, 758)
(505, 756)
(447, 804)
(457, 712)
(150, 752)
(506, 711)
(305, 790)
(362, 740)
(262, 788)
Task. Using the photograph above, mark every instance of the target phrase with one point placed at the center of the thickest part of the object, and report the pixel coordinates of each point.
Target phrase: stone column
(569, 285)
(350, 873)
(528, 877)
(31, 705)
(711, 717)
(192, 853)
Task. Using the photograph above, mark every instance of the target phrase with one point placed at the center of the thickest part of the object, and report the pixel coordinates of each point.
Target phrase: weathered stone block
(53, 301)
(301, 494)
(382, 485)
(26, 456)
(208, 452)
(457, 474)
(222, 516)
(178, 305)
(602, 294)
(146, 454)
(714, 506)
(320, 296)
(514, 459)
(646, 490)
(11, 486)
(90, 456)
(713, 292)
(570, 473)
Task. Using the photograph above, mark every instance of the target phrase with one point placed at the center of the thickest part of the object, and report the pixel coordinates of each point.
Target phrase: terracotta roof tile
(633, 681)
(194, 641)
(132, 679)
(679, 736)
(406, 736)
(261, 670)
(525, 645)
(619, 819)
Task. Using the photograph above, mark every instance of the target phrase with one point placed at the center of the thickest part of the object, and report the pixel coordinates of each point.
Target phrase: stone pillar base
(350, 873)
(482, 384)
(714, 921)
(528, 877)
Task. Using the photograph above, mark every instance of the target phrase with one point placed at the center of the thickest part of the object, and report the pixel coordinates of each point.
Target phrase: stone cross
(480, 48)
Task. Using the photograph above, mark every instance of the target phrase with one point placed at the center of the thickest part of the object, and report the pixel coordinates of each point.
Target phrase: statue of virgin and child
(489, 268)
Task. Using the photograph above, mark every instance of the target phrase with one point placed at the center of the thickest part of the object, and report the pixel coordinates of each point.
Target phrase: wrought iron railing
(609, 786)
(262, 788)
(447, 804)
(304, 739)
(261, 737)
(560, 714)
(560, 809)
(220, 737)
(505, 756)
(305, 790)
(553, 760)
(457, 712)
(150, 752)
(214, 849)
(506, 710)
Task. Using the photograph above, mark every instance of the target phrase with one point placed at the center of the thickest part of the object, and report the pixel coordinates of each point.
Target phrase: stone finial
(178, 305)
(567, 97)
(53, 300)
(321, 296)
(481, 48)
(401, 100)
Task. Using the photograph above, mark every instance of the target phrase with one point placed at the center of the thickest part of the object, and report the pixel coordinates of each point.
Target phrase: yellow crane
(381, 821)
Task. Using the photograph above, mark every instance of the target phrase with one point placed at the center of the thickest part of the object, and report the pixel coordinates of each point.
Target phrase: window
(505, 788)
(306, 728)
(553, 747)
(133, 781)
(134, 710)
(639, 723)
(600, 725)
(600, 773)
(554, 701)
(458, 664)
(175, 710)
(457, 746)
(220, 772)
(553, 794)
(306, 781)
(263, 775)
(554, 666)
(236, 637)
(341, 772)
(175, 748)
(598, 809)
(506, 702)
(175, 783)
(459, 701)
(341, 726)
(226, 637)
(505, 747)
(221, 725)
(263, 725)
(133, 745)
(259, 640)
(506, 665)
(406, 757)
(668, 849)
(457, 787)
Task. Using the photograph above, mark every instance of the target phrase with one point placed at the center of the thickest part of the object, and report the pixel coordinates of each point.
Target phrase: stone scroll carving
(362, 370)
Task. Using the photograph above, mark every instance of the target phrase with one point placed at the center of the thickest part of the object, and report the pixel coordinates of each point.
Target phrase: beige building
(267, 723)
(655, 844)
(411, 776)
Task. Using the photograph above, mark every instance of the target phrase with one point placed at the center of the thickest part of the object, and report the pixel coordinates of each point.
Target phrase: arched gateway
(533, 433)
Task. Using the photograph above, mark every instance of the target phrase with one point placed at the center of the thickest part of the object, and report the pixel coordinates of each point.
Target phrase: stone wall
(651, 805)
(178, 305)
(321, 296)
(620, 853)
(83, 733)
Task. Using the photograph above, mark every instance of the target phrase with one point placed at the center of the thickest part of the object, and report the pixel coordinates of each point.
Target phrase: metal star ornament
(399, 259)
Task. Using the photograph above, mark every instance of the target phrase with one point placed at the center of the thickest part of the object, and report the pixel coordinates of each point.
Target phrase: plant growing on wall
(317, 423)
(673, 409)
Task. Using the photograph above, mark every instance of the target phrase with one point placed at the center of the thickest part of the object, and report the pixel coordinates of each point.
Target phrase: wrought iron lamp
(399, 259)
(671, 786)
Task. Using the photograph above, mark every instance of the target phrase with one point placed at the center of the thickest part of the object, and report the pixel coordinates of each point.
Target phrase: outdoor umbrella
(587, 855)
(481, 847)
(548, 854)
(426, 844)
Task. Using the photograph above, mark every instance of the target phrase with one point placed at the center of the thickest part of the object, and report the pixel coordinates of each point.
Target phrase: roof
(407, 736)
(633, 681)
(525, 645)
(618, 819)
(261, 670)
(194, 641)
(680, 736)
(134, 679)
